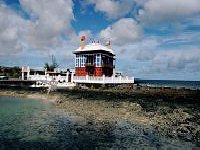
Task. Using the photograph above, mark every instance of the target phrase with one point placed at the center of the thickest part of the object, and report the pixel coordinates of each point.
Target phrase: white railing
(47, 78)
(82, 79)
(103, 79)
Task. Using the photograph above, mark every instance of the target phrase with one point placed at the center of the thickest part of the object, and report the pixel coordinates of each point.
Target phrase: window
(98, 60)
(76, 61)
(82, 60)
(89, 60)
(79, 61)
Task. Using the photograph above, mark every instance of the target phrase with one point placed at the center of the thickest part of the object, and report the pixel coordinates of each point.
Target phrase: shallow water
(36, 124)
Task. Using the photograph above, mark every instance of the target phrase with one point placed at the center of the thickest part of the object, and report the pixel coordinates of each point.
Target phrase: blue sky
(153, 39)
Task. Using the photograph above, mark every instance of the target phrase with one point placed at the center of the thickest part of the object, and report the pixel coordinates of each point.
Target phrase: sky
(152, 39)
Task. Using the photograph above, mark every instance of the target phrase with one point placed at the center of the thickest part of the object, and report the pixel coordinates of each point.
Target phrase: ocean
(176, 84)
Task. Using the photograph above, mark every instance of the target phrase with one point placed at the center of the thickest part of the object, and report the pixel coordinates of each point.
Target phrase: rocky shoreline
(171, 113)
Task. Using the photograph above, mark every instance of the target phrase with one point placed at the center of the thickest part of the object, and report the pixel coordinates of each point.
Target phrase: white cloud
(10, 27)
(49, 27)
(49, 21)
(177, 60)
(113, 9)
(152, 11)
(168, 10)
(142, 50)
(150, 58)
(123, 31)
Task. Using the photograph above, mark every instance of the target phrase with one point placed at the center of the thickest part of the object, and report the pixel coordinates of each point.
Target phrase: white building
(94, 63)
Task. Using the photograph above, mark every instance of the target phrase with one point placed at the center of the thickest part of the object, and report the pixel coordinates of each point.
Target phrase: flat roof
(94, 47)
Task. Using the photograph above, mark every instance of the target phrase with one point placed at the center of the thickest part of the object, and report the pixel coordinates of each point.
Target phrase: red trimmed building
(94, 59)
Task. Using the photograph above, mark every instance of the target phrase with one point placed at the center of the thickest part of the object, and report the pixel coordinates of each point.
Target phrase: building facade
(94, 59)
(94, 64)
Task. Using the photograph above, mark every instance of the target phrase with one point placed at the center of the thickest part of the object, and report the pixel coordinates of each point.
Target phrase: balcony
(108, 65)
(89, 64)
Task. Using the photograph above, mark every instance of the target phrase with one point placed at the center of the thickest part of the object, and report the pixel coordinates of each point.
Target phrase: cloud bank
(112, 9)
(125, 30)
(42, 30)
(151, 36)
(155, 11)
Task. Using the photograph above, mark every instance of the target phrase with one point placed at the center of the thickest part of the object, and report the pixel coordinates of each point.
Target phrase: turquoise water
(36, 124)
(29, 123)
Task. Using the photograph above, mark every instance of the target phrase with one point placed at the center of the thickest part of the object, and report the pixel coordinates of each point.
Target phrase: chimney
(82, 42)
(108, 44)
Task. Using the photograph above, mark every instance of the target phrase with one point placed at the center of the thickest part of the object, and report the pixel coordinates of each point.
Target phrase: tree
(47, 67)
(52, 66)
(54, 63)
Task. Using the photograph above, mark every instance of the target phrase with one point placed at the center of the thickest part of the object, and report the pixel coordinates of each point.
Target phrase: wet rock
(148, 131)
(197, 138)
(90, 122)
(170, 119)
(74, 133)
(164, 110)
(174, 132)
(150, 114)
(79, 130)
(59, 101)
(181, 113)
(135, 107)
(184, 133)
(125, 104)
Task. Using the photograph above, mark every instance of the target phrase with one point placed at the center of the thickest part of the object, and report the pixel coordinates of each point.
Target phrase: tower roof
(94, 47)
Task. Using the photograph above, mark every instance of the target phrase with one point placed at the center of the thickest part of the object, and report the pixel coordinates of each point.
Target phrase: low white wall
(103, 79)
(83, 79)
(48, 78)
